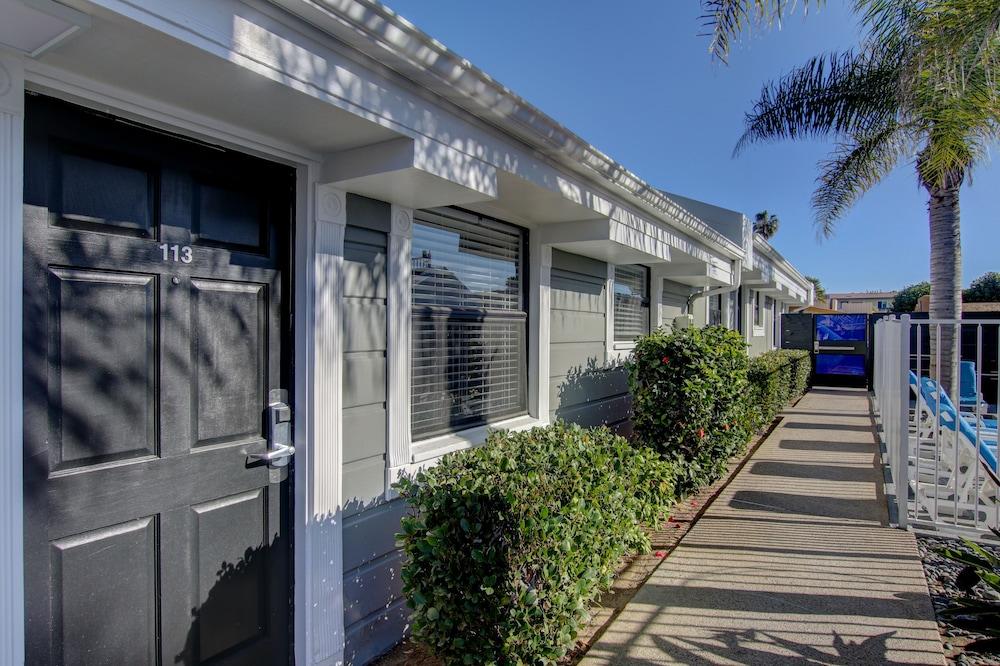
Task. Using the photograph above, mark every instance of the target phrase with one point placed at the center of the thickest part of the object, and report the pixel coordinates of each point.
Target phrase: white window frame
(613, 343)
(425, 452)
(757, 313)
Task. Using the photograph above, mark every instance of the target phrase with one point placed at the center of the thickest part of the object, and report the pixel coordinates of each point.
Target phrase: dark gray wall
(374, 611)
(582, 389)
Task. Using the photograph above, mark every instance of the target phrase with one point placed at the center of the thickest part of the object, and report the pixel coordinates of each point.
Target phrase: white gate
(942, 448)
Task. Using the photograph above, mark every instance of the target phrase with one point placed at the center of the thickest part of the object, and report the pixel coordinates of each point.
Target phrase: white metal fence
(941, 448)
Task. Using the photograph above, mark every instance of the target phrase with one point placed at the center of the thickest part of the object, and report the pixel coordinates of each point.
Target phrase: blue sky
(634, 78)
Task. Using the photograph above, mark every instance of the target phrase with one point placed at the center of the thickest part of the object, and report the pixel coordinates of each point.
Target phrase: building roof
(388, 38)
(847, 295)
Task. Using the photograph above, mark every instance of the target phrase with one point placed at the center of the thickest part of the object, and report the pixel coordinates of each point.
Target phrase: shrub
(509, 542)
(689, 399)
(907, 297)
(979, 608)
(776, 377)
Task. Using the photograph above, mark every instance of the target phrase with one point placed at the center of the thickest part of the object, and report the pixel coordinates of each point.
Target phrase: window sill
(435, 447)
(623, 346)
(427, 452)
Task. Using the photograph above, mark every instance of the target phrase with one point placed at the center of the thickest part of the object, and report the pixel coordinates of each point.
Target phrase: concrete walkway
(792, 564)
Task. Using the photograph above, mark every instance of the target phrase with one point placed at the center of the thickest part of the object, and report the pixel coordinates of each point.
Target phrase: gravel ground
(941, 575)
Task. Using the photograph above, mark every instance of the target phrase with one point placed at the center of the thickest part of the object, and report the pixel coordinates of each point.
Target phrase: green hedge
(777, 377)
(689, 399)
(508, 543)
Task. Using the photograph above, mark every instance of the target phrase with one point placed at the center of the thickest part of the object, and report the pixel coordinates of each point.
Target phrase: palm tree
(766, 224)
(818, 291)
(919, 88)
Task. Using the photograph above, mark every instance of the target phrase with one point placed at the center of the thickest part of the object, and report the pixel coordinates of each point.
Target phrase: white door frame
(318, 227)
(11, 400)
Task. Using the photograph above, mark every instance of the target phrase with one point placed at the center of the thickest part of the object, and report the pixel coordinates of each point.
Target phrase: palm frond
(854, 168)
(957, 126)
(725, 20)
(846, 93)
(956, 38)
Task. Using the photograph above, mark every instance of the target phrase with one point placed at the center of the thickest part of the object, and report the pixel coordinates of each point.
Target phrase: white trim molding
(655, 296)
(609, 318)
(398, 330)
(323, 609)
(539, 326)
(11, 397)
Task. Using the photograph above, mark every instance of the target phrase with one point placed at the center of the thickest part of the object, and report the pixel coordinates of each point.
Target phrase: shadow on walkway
(791, 564)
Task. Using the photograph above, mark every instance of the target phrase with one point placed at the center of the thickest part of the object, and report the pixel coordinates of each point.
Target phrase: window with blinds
(631, 315)
(469, 364)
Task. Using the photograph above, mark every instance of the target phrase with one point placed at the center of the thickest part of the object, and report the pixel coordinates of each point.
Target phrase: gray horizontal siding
(376, 634)
(375, 614)
(582, 389)
(364, 378)
(673, 301)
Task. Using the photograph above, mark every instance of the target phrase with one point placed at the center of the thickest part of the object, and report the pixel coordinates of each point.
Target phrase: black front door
(155, 326)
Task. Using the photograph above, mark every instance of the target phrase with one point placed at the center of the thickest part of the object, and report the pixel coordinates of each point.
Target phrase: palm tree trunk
(946, 278)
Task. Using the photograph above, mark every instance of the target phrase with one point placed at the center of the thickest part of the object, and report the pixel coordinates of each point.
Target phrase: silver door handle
(279, 452)
(279, 431)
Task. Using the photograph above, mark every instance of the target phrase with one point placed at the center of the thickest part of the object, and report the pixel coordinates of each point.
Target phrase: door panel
(156, 326)
(103, 348)
(104, 591)
(229, 322)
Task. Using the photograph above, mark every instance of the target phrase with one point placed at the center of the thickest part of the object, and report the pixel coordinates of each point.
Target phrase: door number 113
(180, 253)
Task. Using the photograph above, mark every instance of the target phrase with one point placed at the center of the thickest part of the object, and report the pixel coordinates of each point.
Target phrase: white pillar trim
(656, 296)
(324, 607)
(11, 397)
(609, 318)
(540, 325)
(398, 330)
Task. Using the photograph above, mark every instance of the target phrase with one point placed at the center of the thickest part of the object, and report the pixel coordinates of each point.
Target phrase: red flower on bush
(665, 359)
(701, 433)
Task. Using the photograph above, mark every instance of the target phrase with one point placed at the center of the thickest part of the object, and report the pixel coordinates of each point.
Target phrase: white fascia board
(382, 69)
(762, 247)
(606, 240)
(379, 33)
(412, 173)
(648, 242)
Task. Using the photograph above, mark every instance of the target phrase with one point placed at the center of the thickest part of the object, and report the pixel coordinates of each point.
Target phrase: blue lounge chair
(968, 396)
(948, 417)
(985, 423)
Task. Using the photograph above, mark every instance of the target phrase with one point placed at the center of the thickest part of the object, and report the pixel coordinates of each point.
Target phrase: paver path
(793, 563)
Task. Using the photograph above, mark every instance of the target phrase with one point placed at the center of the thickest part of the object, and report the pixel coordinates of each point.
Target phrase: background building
(862, 301)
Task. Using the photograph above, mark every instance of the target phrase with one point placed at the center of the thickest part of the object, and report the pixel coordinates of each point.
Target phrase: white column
(398, 306)
(11, 498)
(655, 296)
(609, 319)
(324, 606)
(539, 327)
(747, 314)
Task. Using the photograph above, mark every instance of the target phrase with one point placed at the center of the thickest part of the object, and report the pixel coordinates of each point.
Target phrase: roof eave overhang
(381, 34)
